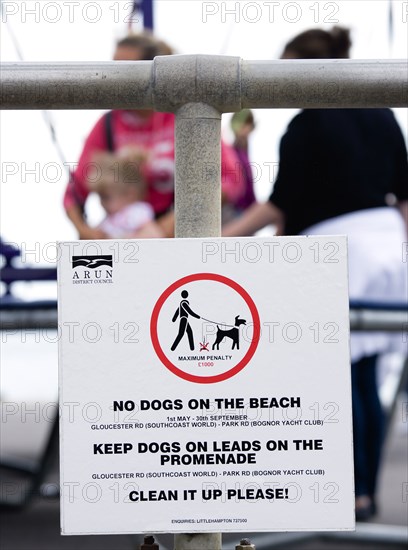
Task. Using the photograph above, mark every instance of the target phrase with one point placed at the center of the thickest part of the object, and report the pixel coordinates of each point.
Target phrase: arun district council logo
(92, 270)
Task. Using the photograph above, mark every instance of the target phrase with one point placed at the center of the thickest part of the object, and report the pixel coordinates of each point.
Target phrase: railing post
(198, 214)
(198, 541)
(198, 171)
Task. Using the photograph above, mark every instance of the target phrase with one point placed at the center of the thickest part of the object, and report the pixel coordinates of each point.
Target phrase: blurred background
(31, 208)
(36, 148)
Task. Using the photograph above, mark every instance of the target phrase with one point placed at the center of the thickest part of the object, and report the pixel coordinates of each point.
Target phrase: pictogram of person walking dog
(184, 311)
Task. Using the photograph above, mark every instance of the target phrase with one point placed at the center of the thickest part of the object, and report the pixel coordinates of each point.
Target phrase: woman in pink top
(147, 130)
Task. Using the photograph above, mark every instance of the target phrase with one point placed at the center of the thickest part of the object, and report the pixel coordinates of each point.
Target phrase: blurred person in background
(345, 171)
(150, 131)
(121, 186)
(242, 125)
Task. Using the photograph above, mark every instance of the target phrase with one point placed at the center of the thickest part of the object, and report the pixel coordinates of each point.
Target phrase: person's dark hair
(319, 44)
(145, 41)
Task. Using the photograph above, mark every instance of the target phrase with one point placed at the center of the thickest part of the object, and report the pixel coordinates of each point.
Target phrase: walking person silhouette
(184, 311)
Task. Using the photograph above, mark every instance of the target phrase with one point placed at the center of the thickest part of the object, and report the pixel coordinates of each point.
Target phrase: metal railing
(21, 315)
(226, 83)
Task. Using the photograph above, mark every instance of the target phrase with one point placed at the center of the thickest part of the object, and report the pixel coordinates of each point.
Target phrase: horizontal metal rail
(10, 275)
(226, 83)
(107, 85)
(325, 83)
(16, 315)
(373, 316)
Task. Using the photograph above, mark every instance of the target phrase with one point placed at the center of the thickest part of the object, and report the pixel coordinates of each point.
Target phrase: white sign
(205, 385)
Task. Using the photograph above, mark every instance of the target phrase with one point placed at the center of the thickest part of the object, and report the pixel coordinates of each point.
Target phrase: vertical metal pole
(198, 214)
(198, 541)
(198, 171)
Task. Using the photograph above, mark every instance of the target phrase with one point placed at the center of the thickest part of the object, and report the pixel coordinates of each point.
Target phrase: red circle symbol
(252, 347)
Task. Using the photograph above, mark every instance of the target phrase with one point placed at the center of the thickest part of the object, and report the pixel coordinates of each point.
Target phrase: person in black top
(332, 161)
(336, 161)
(345, 171)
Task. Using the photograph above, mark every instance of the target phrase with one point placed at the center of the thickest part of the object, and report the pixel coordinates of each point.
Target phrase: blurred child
(121, 186)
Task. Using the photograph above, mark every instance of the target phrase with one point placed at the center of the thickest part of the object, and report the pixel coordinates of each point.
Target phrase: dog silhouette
(232, 333)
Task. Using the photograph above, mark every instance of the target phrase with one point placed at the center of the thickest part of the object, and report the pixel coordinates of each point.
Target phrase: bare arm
(255, 218)
(150, 230)
(84, 230)
(166, 224)
(403, 208)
